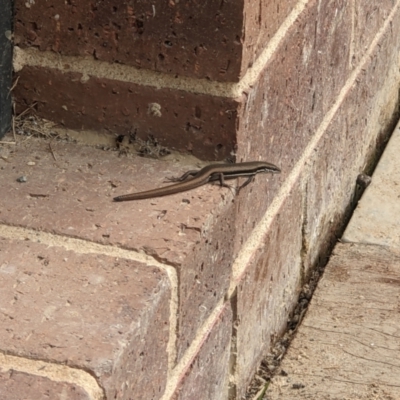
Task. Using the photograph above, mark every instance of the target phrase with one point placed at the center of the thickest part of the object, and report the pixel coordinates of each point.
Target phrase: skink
(210, 173)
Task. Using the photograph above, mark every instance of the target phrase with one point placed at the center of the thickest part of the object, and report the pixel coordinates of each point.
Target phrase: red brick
(200, 124)
(104, 315)
(367, 23)
(268, 289)
(191, 231)
(261, 22)
(290, 99)
(199, 39)
(291, 96)
(208, 375)
(208, 39)
(16, 385)
(356, 134)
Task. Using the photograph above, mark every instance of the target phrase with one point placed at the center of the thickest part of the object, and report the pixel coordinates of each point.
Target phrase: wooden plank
(348, 346)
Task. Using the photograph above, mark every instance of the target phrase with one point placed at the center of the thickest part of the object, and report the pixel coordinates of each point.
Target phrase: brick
(5, 66)
(260, 24)
(208, 376)
(189, 231)
(104, 315)
(16, 385)
(356, 134)
(268, 289)
(210, 126)
(202, 40)
(217, 41)
(367, 23)
(290, 99)
(200, 124)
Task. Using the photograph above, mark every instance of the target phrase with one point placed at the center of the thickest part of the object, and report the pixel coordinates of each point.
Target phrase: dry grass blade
(14, 85)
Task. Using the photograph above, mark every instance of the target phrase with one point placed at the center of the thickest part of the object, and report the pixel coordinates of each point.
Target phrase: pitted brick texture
(16, 385)
(95, 313)
(212, 361)
(216, 40)
(269, 288)
(190, 231)
(200, 124)
(191, 38)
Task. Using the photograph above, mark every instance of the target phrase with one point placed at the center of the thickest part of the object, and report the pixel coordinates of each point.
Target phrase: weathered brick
(291, 96)
(355, 134)
(208, 39)
(368, 19)
(200, 39)
(16, 385)
(104, 315)
(261, 22)
(208, 375)
(200, 124)
(290, 99)
(190, 231)
(268, 289)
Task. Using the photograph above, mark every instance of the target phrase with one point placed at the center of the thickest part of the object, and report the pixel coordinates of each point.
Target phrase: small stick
(38, 195)
(26, 110)
(52, 152)
(14, 85)
(13, 127)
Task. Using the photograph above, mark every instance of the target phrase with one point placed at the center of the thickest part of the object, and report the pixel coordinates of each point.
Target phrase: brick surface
(217, 41)
(100, 314)
(269, 288)
(198, 39)
(190, 231)
(16, 385)
(355, 134)
(288, 98)
(289, 101)
(200, 124)
(277, 116)
(261, 22)
(367, 22)
(208, 377)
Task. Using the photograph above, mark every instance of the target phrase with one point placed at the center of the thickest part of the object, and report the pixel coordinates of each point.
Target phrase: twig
(52, 152)
(38, 195)
(25, 111)
(13, 128)
(14, 85)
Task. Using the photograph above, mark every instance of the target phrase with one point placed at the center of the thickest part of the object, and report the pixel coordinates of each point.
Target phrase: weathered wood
(348, 346)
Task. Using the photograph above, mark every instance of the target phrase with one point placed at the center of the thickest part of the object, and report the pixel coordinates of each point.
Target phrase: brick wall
(5, 66)
(311, 86)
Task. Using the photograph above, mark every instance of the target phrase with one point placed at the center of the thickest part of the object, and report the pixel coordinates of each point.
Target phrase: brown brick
(104, 315)
(213, 40)
(367, 23)
(200, 124)
(208, 376)
(290, 99)
(198, 39)
(191, 231)
(261, 22)
(291, 95)
(205, 278)
(355, 135)
(16, 385)
(269, 288)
